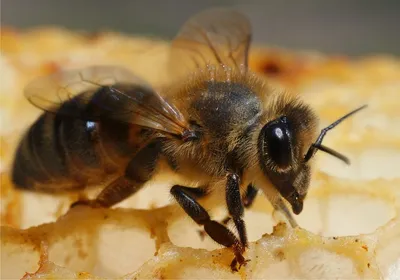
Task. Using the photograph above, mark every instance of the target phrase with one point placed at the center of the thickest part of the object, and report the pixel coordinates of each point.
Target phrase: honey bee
(217, 124)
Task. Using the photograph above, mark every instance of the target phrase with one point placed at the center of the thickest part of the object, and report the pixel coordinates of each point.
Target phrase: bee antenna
(331, 152)
(317, 144)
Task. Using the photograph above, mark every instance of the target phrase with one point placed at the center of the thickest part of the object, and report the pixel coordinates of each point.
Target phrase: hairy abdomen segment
(59, 154)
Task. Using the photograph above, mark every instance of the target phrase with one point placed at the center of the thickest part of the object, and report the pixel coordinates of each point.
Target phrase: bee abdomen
(39, 158)
(58, 154)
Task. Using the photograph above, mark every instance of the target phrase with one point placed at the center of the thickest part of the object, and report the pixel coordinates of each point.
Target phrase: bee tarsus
(238, 260)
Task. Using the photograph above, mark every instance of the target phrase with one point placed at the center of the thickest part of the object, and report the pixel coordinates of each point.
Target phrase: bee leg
(279, 205)
(113, 193)
(236, 211)
(250, 196)
(139, 170)
(218, 232)
(248, 200)
(197, 193)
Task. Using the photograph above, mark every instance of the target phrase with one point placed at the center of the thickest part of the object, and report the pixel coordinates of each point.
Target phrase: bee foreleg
(250, 196)
(139, 170)
(248, 200)
(235, 205)
(218, 232)
(236, 211)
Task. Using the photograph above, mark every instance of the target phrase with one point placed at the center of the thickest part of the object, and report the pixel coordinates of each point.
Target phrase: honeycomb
(350, 226)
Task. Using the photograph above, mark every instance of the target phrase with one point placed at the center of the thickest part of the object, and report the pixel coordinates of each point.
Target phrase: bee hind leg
(138, 171)
(118, 190)
(218, 232)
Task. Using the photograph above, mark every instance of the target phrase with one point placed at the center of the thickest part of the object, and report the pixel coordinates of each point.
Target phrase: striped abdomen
(60, 154)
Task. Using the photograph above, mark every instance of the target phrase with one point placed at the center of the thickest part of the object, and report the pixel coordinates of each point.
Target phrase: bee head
(281, 143)
(285, 147)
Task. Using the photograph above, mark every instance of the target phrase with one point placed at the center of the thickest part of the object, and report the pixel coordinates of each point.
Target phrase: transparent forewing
(105, 92)
(217, 36)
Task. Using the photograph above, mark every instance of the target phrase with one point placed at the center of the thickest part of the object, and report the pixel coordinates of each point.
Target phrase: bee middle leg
(218, 232)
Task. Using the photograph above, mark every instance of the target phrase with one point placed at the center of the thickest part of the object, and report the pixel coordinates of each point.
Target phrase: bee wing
(216, 36)
(105, 92)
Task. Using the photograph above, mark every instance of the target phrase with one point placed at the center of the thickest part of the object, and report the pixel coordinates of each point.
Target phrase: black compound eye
(277, 142)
